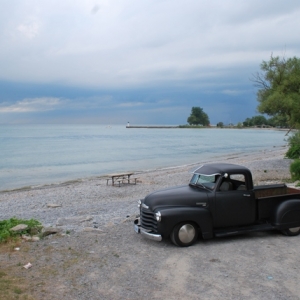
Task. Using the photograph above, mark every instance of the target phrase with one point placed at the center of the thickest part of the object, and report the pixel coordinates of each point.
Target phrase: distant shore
(201, 127)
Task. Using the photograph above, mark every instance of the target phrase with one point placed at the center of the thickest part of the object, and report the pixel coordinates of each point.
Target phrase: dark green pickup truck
(220, 200)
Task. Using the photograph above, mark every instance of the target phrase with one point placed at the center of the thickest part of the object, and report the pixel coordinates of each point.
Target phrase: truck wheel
(291, 231)
(184, 234)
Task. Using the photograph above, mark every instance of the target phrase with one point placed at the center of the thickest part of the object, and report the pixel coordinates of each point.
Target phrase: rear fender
(173, 216)
(287, 214)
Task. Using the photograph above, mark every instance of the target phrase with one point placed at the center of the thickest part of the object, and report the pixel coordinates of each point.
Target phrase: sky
(138, 61)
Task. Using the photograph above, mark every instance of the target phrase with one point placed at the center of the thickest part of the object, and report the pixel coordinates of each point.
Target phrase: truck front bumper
(144, 232)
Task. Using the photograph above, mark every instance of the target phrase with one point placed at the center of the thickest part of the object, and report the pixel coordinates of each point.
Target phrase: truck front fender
(173, 216)
(287, 214)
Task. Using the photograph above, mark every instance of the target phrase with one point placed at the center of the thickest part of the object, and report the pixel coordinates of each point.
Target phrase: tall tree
(279, 88)
(198, 117)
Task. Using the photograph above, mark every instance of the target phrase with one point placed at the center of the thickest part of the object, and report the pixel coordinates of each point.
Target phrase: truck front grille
(148, 220)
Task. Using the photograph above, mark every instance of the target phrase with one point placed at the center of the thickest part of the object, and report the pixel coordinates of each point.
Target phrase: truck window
(238, 181)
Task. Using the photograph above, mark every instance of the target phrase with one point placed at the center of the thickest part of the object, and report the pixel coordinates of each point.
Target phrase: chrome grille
(148, 220)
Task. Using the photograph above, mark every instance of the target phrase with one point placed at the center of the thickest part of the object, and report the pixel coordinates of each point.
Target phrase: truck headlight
(158, 216)
(139, 204)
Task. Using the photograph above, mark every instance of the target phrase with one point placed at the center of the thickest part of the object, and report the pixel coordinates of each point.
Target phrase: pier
(151, 127)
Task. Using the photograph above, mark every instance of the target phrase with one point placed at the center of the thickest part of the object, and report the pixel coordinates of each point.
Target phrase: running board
(241, 230)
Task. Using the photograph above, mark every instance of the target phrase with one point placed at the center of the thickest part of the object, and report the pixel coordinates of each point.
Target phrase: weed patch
(6, 234)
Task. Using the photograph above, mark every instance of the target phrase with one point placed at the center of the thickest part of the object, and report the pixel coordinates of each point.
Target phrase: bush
(295, 169)
(294, 149)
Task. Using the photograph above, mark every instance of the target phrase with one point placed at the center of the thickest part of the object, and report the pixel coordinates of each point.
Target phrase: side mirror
(225, 175)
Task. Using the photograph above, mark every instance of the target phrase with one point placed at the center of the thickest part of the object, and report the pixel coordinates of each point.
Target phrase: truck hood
(176, 196)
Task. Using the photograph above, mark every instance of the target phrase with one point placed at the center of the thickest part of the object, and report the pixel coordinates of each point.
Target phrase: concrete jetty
(151, 127)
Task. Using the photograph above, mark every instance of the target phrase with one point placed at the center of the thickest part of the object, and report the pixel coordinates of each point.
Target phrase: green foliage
(198, 117)
(220, 124)
(294, 146)
(279, 88)
(255, 121)
(295, 169)
(278, 121)
(6, 225)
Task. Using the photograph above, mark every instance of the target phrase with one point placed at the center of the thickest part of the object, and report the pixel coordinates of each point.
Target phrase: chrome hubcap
(186, 233)
(295, 229)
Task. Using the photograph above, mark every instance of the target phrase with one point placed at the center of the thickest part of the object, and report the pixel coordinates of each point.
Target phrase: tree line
(199, 118)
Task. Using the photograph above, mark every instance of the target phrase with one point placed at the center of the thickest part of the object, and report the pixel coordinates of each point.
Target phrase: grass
(12, 286)
(6, 234)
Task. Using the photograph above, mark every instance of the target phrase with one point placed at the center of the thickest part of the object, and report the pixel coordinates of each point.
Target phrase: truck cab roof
(220, 169)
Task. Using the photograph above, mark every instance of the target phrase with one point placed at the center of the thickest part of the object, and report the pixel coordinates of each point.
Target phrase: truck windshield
(208, 181)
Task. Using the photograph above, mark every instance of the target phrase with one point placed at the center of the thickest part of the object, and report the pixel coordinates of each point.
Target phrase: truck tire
(184, 234)
(291, 231)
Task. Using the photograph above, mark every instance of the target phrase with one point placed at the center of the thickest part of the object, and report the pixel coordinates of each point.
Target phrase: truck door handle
(246, 195)
(201, 203)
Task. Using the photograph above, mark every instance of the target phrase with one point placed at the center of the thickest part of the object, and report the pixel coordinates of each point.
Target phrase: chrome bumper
(146, 233)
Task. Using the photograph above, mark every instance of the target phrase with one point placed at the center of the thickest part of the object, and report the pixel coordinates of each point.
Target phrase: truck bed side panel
(267, 205)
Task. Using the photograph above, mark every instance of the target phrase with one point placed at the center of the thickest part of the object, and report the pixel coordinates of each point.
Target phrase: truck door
(234, 204)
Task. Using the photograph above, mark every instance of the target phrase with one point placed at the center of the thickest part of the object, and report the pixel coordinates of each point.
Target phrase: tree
(220, 124)
(198, 116)
(279, 89)
(255, 121)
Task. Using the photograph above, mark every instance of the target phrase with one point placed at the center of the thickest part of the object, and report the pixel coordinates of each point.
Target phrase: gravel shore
(92, 203)
(97, 255)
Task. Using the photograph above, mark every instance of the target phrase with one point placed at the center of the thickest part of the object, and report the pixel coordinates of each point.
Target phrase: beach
(97, 255)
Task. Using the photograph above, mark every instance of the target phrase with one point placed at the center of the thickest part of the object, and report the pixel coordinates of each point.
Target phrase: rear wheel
(291, 231)
(184, 234)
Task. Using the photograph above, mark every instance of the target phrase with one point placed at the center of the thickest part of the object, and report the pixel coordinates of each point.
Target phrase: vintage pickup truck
(220, 200)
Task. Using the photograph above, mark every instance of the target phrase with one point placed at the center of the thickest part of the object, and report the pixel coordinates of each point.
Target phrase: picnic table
(121, 178)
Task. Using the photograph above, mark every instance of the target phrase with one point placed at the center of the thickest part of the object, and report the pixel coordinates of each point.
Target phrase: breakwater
(150, 127)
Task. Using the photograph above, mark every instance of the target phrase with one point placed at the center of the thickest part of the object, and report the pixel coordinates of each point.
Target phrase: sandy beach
(97, 255)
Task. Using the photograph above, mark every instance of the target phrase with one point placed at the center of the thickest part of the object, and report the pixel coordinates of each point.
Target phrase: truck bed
(269, 196)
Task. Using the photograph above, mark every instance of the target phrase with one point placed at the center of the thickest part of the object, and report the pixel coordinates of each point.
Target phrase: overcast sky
(142, 61)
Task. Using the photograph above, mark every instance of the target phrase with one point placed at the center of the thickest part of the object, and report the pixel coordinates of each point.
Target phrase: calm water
(45, 154)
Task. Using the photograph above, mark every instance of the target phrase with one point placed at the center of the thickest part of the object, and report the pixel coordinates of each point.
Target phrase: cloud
(133, 43)
(31, 105)
(29, 30)
(130, 104)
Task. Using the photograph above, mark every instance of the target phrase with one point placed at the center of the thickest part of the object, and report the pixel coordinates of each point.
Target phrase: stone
(50, 230)
(26, 237)
(92, 229)
(19, 227)
(53, 205)
(35, 238)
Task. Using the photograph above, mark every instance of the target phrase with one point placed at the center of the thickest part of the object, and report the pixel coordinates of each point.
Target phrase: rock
(92, 229)
(30, 238)
(53, 205)
(50, 230)
(26, 237)
(19, 227)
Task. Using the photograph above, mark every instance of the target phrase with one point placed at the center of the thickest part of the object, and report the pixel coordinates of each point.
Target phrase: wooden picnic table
(120, 177)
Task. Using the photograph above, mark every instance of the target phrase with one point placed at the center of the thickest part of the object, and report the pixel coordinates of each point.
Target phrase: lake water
(44, 154)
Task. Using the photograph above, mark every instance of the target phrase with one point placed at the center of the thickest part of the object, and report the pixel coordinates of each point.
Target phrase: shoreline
(88, 203)
(239, 156)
